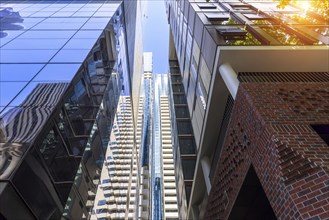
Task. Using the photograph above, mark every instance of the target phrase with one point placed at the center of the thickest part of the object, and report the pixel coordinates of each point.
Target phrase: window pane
(30, 181)
(57, 72)
(18, 72)
(184, 127)
(179, 99)
(61, 166)
(181, 112)
(80, 44)
(47, 34)
(187, 146)
(70, 56)
(26, 56)
(8, 90)
(188, 169)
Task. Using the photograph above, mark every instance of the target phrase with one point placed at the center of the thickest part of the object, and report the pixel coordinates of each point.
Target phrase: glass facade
(157, 164)
(164, 184)
(147, 123)
(63, 67)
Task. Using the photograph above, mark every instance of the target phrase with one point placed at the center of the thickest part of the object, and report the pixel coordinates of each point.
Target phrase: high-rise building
(158, 196)
(65, 66)
(158, 172)
(140, 185)
(144, 139)
(251, 80)
(164, 194)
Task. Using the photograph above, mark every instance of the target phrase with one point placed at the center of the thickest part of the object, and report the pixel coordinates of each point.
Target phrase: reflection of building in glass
(249, 83)
(9, 20)
(116, 193)
(20, 125)
(62, 77)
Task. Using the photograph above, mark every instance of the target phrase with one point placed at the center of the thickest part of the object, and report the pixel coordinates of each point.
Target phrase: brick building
(274, 133)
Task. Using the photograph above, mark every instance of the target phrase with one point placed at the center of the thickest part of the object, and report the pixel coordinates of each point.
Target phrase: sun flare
(304, 4)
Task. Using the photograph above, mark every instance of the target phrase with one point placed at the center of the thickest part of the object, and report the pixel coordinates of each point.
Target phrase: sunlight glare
(304, 4)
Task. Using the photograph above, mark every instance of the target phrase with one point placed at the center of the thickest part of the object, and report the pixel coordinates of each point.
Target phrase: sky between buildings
(156, 33)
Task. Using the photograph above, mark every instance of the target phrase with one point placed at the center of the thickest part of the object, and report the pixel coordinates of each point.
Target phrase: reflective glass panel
(187, 146)
(66, 20)
(31, 9)
(59, 26)
(94, 26)
(87, 10)
(57, 72)
(184, 127)
(188, 169)
(63, 14)
(50, 9)
(70, 56)
(13, 33)
(83, 14)
(88, 34)
(42, 14)
(26, 13)
(18, 72)
(3, 41)
(61, 166)
(104, 14)
(40, 94)
(98, 20)
(35, 44)
(69, 8)
(31, 182)
(19, 99)
(75, 5)
(8, 91)
(26, 56)
(181, 112)
(80, 44)
(31, 22)
(47, 34)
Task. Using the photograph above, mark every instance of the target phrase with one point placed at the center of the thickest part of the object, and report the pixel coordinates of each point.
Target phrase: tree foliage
(319, 6)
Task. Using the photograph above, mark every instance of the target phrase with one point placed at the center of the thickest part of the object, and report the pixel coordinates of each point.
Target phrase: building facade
(158, 186)
(164, 193)
(64, 68)
(140, 183)
(144, 137)
(225, 54)
(183, 139)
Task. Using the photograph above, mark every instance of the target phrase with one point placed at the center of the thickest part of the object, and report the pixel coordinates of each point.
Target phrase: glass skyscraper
(63, 67)
(139, 183)
(164, 200)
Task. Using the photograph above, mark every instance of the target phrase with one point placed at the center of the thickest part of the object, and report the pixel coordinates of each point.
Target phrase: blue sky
(156, 34)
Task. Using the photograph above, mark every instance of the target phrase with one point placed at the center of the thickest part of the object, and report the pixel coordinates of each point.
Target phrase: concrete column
(230, 78)
(195, 212)
(205, 164)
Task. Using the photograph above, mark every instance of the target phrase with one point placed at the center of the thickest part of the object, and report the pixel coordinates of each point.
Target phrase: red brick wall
(270, 129)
